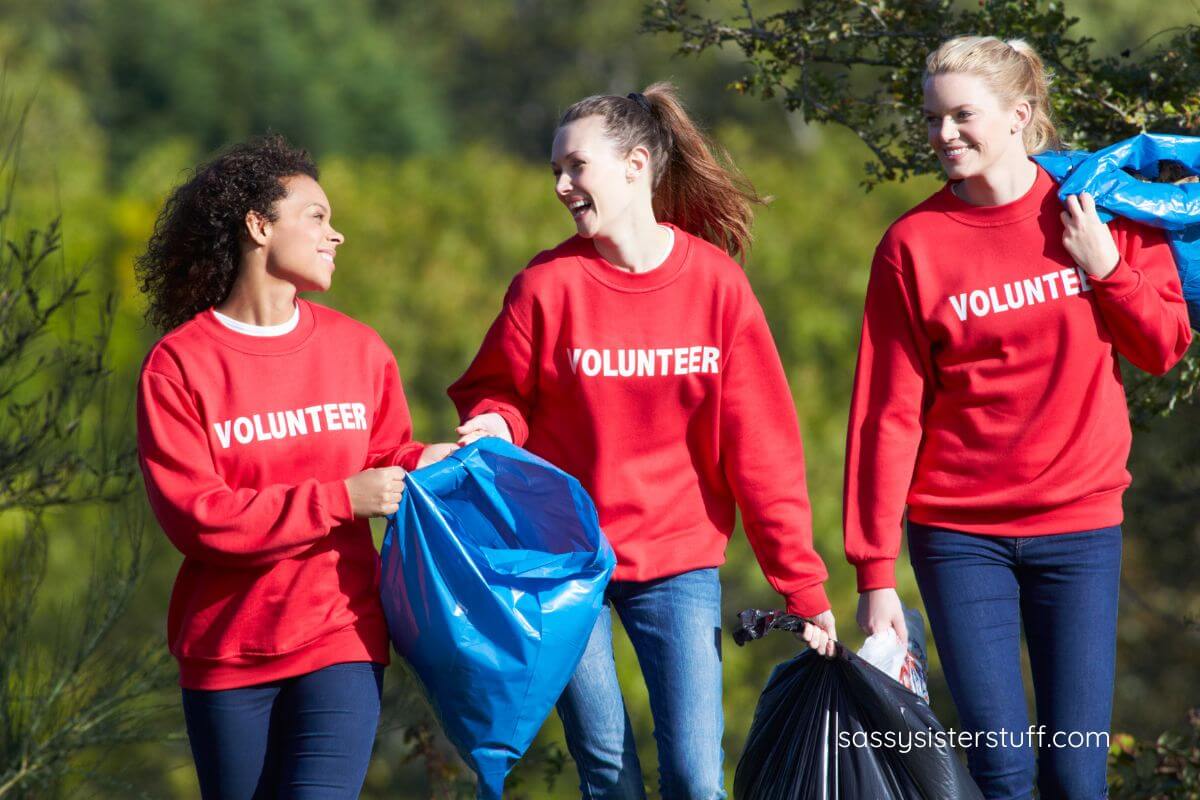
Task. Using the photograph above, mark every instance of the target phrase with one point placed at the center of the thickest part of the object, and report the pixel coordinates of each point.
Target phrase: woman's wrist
(1104, 272)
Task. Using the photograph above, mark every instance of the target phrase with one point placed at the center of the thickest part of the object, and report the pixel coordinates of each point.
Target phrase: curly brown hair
(192, 259)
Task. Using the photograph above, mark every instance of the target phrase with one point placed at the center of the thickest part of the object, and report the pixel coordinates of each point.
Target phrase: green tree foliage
(325, 74)
(63, 152)
(511, 69)
(1168, 767)
(1159, 633)
(68, 687)
(356, 78)
(859, 65)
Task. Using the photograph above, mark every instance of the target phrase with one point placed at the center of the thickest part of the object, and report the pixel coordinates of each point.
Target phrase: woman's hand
(821, 635)
(1087, 239)
(880, 609)
(434, 453)
(490, 424)
(376, 492)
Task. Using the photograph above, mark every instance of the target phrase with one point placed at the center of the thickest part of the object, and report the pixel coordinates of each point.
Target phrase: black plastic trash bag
(839, 729)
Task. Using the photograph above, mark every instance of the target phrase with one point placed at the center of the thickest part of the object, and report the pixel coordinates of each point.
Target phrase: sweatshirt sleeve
(203, 516)
(502, 377)
(392, 431)
(763, 459)
(1141, 300)
(885, 428)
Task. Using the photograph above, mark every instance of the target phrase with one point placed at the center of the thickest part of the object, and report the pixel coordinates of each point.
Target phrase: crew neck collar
(623, 280)
(1024, 207)
(261, 345)
(250, 329)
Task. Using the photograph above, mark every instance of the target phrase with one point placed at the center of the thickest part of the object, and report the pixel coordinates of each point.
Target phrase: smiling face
(597, 184)
(971, 129)
(301, 242)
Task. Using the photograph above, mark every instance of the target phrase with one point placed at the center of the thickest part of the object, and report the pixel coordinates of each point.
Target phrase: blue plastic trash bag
(494, 570)
(1173, 207)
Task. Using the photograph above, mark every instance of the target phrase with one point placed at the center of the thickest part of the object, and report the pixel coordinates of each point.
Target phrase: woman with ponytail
(988, 401)
(635, 356)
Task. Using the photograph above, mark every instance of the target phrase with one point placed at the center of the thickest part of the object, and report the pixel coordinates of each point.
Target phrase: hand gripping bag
(1107, 176)
(839, 729)
(494, 570)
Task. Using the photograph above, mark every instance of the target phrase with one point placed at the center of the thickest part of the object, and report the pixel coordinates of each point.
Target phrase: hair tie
(641, 100)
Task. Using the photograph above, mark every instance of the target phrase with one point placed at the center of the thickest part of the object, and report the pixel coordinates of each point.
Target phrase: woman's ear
(637, 163)
(1022, 114)
(258, 227)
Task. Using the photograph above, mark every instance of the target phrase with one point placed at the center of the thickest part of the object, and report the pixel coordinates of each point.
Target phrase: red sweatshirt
(664, 394)
(988, 395)
(244, 444)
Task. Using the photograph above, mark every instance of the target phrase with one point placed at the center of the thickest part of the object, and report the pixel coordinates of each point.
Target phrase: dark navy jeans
(302, 738)
(980, 593)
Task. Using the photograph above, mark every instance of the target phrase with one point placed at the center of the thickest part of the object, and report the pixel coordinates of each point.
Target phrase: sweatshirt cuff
(878, 573)
(517, 427)
(334, 498)
(1119, 284)
(412, 455)
(809, 601)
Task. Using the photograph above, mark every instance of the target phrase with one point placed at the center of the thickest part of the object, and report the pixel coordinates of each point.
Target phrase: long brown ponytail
(695, 183)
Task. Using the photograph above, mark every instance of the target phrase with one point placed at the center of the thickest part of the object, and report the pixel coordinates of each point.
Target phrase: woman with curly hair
(269, 429)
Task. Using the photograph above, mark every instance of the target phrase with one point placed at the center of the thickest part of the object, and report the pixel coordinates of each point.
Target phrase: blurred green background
(431, 122)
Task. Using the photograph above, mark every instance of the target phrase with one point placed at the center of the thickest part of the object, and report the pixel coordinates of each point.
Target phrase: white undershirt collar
(669, 249)
(259, 330)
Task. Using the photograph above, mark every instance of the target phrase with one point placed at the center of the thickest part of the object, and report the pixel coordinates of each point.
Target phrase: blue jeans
(306, 737)
(980, 592)
(675, 626)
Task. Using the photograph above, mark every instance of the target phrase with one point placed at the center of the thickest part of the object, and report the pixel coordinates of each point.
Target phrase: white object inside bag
(884, 652)
(905, 665)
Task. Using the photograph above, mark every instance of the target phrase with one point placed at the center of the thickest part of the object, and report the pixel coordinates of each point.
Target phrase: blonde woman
(988, 401)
